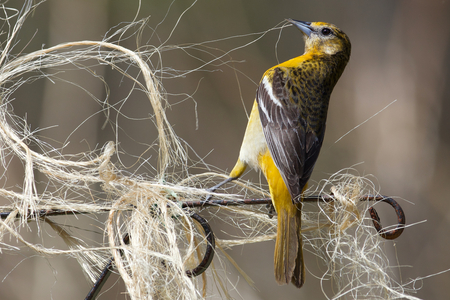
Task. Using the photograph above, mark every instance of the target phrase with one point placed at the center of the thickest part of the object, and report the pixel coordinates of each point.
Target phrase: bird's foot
(271, 211)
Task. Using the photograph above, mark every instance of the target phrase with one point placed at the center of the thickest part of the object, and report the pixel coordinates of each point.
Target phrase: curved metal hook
(209, 253)
(202, 266)
(393, 233)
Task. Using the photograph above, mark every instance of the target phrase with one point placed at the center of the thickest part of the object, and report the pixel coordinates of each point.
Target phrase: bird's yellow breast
(254, 143)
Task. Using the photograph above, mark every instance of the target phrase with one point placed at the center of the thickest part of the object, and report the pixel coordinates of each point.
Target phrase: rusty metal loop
(202, 266)
(209, 253)
(393, 233)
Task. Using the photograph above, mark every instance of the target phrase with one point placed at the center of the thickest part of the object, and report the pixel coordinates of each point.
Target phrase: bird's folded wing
(294, 146)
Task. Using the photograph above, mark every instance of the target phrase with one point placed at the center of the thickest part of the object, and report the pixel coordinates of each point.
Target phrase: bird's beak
(303, 26)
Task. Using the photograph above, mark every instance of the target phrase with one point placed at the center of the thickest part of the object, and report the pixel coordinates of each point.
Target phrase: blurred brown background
(401, 51)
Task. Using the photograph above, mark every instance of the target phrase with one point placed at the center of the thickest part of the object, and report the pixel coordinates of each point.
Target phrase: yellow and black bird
(285, 132)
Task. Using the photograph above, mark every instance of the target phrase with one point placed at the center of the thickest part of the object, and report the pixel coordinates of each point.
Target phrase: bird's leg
(237, 171)
(214, 188)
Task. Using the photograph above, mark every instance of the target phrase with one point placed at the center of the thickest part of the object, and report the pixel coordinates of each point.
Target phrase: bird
(285, 132)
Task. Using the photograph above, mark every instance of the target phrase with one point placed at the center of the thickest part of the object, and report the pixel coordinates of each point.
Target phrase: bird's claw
(271, 211)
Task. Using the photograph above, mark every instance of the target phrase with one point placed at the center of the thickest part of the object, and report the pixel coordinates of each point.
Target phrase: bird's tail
(288, 258)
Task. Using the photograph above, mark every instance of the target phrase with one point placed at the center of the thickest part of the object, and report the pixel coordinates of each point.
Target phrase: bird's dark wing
(292, 141)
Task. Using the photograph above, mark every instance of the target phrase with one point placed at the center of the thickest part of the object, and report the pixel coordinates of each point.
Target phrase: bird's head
(323, 38)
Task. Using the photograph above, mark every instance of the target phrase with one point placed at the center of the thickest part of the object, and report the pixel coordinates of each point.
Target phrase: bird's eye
(326, 31)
